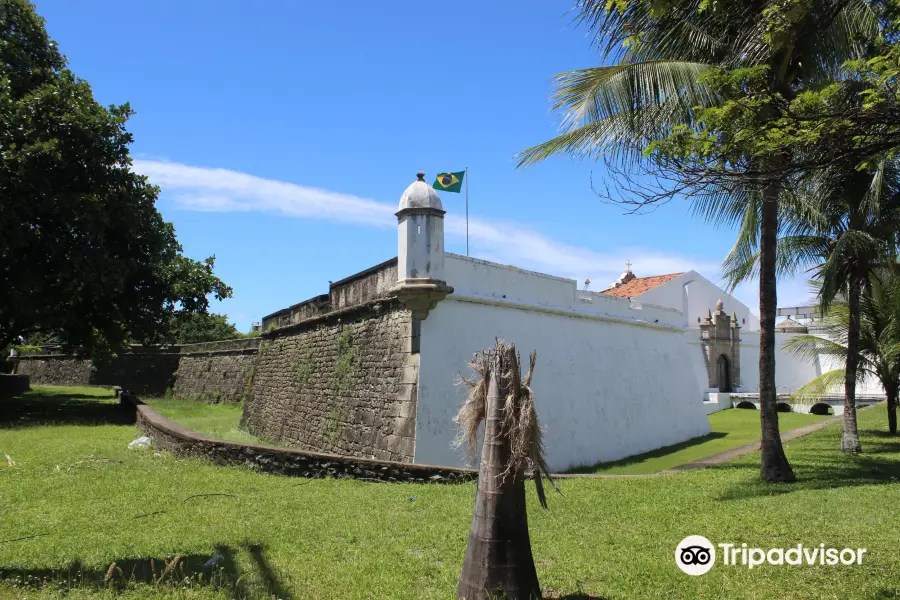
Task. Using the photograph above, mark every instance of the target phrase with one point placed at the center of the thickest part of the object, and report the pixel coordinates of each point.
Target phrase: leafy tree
(191, 328)
(84, 253)
(841, 224)
(673, 63)
(818, 124)
(878, 344)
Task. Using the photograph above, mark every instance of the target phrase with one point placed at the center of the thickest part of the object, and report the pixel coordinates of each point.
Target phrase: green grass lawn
(729, 429)
(77, 499)
(216, 420)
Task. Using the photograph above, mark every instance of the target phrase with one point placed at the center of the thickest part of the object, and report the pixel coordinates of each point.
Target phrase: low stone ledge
(181, 441)
(248, 345)
(225, 352)
(13, 385)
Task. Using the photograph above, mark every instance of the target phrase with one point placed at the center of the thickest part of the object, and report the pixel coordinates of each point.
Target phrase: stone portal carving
(721, 339)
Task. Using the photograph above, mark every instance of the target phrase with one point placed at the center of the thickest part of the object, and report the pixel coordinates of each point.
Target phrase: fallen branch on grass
(27, 537)
(206, 496)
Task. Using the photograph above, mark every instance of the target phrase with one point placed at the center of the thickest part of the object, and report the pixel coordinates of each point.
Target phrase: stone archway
(721, 340)
(821, 409)
(723, 374)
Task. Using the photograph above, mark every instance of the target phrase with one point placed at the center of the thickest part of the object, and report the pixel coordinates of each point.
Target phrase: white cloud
(222, 190)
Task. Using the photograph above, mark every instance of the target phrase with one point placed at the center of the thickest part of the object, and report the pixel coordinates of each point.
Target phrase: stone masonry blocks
(344, 386)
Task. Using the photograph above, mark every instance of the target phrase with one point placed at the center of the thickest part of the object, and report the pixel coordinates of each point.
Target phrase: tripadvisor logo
(696, 555)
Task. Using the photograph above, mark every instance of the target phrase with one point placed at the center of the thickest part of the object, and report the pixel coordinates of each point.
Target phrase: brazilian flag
(449, 182)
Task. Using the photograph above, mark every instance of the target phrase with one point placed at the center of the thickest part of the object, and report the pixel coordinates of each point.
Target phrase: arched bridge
(823, 405)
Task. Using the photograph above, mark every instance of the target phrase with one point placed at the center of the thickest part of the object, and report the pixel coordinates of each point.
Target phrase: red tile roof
(639, 285)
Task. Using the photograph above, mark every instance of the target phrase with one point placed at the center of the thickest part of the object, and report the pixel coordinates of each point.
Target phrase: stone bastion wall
(337, 373)
(343, 382)
(212, 371)
(216, 371)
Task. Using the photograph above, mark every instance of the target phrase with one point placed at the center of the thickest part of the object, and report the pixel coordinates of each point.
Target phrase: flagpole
(467, 211)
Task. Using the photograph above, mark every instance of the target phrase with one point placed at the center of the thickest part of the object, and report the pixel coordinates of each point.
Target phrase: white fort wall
(612, 379)
(791, 372)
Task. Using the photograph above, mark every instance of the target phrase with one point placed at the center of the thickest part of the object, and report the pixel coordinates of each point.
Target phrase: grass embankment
(216, 420)
(77, 499)
(729, 429)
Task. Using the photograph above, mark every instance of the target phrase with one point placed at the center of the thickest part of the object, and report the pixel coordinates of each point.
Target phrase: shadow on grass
(64, 409)
(819, 464)
(638, 458)
(79, 396)
(219, 570)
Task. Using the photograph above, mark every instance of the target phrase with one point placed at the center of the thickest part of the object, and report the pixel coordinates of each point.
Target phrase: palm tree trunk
(774, 465)
(850, 437)
(498, 561)
(891, 393)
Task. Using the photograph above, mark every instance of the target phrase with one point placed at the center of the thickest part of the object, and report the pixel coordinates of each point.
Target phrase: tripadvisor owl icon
(695, 555)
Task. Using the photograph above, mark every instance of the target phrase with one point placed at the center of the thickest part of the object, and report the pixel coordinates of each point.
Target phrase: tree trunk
(5, 341)
(774, 465)
(498, 561)
(891, 393)
(850, 436)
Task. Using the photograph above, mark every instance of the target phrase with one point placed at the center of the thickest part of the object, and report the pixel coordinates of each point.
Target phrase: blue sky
(283, 133)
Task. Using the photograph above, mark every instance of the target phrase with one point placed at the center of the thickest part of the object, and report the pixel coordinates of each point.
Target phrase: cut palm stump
(498, 562)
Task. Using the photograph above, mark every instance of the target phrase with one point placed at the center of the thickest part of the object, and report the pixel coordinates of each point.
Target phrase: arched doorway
(723, 374)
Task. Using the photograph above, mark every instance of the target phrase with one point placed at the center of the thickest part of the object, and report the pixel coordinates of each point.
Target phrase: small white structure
(420, 227)
(420, 248)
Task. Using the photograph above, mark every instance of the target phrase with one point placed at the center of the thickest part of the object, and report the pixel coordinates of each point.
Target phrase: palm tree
(842, 224)
(498, 562)
(878, 342)
(658, 50)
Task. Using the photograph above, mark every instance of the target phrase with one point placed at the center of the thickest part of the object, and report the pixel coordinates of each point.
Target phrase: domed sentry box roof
(791, 326)
(420, 195)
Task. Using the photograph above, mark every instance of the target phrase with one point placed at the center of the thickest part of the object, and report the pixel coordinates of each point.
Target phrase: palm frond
(722, 206)
(822, 385)
(742, 262)
(588, 95)
(844, 38)
(870, 206)
(810, 347)
(619, 108)
(619, 133)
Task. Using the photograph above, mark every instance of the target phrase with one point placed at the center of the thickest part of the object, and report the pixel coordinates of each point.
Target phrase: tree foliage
(699, 102)
(84, 253)
(192, 328)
